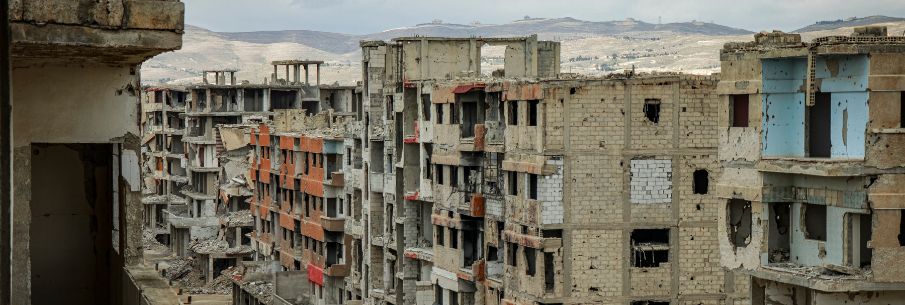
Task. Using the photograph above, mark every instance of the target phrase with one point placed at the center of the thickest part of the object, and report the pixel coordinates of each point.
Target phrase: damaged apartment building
(198, 156)
(523, 185)
(164, 173)
(811, 135)
(75, 235)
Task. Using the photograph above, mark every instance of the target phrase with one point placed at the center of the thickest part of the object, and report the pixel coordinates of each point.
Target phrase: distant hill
(835, 24)
(588, 47)
(558, 28)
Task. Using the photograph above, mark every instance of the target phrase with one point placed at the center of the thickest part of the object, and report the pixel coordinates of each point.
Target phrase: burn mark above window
(652, 110)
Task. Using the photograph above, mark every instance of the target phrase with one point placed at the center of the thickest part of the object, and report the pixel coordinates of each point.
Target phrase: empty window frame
(512, 113)
(512, 254)
(738, 110)
(652, 110)
(650, 247)
(512, 183)
(738, 222)
(453, 238)
(454, 176)
(532, 112)
(439, 172)
(814, 221)
(530, 261)
(532, 186)
(701, 181)
(901, 236)
(549, 272)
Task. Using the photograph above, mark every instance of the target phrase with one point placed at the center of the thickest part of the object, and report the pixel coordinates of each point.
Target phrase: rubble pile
(239, 218)
(150, 243)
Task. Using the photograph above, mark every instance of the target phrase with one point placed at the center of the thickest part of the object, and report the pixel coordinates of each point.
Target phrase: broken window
(650, 247)
(819, 118)
(530, 261)
(739, 222)
(814, 221)
(512, 185)
(512, 115)
(532, 186)
(738, 110)
(532, 112)
(512, 253)
(701, 181)
(453, 238)
(652, 110)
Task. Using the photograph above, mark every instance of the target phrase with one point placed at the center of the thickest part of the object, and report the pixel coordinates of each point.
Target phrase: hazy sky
(367, 16)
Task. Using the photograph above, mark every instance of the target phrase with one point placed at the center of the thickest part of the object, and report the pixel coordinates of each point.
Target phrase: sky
(369, 16)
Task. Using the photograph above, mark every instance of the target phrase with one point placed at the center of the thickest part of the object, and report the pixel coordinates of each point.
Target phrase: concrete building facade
(809, 194)
(527, 186)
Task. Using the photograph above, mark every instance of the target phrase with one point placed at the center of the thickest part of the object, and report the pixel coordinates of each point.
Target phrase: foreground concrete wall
(88, 104)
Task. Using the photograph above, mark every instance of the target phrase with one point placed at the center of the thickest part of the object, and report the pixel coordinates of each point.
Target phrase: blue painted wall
(784, 107)
(783, 104)
(848, 84)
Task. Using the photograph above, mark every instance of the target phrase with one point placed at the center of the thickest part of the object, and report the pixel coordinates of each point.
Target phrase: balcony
(333, 224)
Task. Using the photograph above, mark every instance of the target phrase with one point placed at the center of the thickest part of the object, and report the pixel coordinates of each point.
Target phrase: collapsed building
(164, 171)
(810, 194)
(523, 185)
(76, 232)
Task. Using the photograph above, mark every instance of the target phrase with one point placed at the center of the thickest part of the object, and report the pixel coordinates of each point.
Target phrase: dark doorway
(71, 224)
(819, 128)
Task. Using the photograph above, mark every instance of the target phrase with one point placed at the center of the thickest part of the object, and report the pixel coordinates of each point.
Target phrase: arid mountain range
(592, 48)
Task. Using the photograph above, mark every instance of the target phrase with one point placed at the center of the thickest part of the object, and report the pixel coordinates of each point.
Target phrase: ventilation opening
(650, 247)
(814, 221)
(530, 261)
(512, 114)
(652, 110)
(739, 222)
(532, 112)
(738, 108)
(701, 181)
